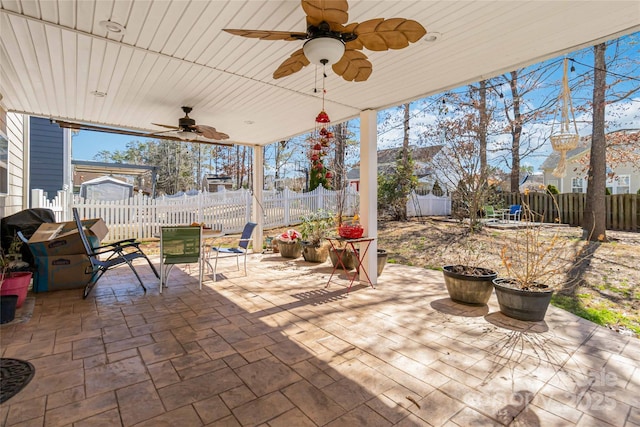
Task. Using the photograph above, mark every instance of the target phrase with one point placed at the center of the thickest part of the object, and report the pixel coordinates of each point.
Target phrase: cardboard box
(62, 238)
(61, 272)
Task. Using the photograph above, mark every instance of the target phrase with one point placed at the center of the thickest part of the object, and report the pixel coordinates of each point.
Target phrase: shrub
(552, 189)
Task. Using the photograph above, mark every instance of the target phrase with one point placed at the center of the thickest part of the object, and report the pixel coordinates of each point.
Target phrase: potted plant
(533, 264)
(13, 285)
(382, 261)
(289, 244)
(313, 229)
(470, 280)
(348, 230)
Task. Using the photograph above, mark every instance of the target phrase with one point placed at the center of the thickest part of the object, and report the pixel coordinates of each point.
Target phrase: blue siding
(47, 146)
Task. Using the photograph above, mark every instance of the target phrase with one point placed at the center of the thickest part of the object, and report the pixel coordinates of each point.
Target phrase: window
(4, 164)
(619, 184)
(577, 185)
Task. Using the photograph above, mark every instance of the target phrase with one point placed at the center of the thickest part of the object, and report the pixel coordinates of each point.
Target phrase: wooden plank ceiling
(54, 55)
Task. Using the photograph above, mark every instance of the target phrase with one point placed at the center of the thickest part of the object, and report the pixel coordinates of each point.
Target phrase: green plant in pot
(470, 280)
(314, 229)
(14, 285)
(535, 262)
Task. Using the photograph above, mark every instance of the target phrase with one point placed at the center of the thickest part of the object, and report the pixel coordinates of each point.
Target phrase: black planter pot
(522, 304)
(382, 261)
(8, 308)
(469, 289)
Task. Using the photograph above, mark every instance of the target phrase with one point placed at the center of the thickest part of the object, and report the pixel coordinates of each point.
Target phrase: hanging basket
(564, 141)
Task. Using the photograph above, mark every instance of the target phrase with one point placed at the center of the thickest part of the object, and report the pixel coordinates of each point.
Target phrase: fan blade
(210, 132)
(291, 65)
(330, 11)
(353, 66)
(267, 35)
(383, 34)
(165, 126)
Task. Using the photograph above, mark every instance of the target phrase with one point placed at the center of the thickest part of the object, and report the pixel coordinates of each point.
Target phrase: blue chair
(241, 249)
(514, 212)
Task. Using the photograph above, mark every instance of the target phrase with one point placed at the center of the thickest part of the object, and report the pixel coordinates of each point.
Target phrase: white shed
(106, 188)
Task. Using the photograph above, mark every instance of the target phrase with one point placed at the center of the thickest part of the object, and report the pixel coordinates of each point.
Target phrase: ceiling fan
(188, 130)
(330, 40)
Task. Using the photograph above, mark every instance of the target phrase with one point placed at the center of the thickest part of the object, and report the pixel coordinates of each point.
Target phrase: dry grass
(604, 286)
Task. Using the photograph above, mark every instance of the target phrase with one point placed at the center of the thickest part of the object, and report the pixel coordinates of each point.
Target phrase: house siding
(47, 156)
(15, 200)
(575, 169)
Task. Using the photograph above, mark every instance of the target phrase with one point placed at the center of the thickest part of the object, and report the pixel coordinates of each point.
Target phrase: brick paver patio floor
(275, 348)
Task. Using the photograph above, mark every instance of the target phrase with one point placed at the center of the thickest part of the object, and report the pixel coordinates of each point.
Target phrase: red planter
(17, 284)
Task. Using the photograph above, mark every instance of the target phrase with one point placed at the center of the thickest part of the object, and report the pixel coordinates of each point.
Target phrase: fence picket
(141, 217)
(622, 210)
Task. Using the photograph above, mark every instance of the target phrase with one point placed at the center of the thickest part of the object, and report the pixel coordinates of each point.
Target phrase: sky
(87, 144)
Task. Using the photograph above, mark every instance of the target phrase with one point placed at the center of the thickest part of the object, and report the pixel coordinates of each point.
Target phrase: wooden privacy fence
(141, 217)
(622, 210)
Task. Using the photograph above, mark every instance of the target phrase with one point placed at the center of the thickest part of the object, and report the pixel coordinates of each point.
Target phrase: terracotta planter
(290, 249)
(17, 284)
(315, 253)
(469, 289)
(522, 304)
(345, 255)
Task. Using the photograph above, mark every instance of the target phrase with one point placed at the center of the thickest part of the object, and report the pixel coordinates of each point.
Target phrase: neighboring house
(142, 177)
(50, 149)
(422, 161)
(622, 178)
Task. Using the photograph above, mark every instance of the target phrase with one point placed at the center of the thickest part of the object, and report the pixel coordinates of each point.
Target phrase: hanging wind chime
(563, 139)
(320, 143)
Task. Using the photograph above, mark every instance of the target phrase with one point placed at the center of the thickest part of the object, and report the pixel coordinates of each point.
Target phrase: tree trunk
(516, 132)
(482, 131)
(595, 220)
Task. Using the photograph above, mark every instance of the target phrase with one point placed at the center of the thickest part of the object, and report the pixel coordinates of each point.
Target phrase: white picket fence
(141, 217)
(428, 205)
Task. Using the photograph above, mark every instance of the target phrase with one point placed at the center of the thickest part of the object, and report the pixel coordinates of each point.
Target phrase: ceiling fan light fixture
(323, 50)
(186, 135)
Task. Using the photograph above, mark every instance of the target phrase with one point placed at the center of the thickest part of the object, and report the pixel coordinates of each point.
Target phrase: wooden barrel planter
(522, 304)
(290, 249)
(469, 285)
(315, 253)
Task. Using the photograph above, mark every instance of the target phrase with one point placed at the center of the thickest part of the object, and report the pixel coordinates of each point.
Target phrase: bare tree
(594, 223)
(462, 163)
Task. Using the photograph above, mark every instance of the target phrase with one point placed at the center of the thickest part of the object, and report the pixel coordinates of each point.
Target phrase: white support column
(257, 202)
(369, 187)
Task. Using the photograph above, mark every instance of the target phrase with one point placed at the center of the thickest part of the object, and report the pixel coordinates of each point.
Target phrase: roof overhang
(58, 61)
